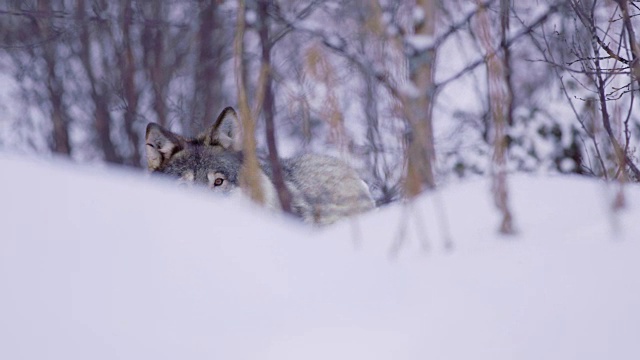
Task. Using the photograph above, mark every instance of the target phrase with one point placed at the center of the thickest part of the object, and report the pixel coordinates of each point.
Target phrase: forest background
(412, 93)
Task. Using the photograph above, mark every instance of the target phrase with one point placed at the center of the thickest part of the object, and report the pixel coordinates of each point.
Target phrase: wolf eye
(216, 179)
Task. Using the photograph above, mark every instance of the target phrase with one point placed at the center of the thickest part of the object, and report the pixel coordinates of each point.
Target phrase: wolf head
(213, 158)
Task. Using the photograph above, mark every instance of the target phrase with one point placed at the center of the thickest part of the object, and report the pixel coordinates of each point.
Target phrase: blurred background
(412, 93)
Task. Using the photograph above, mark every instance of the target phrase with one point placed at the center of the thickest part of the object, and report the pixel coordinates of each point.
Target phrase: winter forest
(499, 139)
(413, 94)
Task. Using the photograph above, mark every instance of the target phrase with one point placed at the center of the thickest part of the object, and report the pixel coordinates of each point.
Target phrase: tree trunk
(59, 118)
(418, 104)
(102, 117)
(250, 173)
(206, 97)
(128, 73)
(268, 108)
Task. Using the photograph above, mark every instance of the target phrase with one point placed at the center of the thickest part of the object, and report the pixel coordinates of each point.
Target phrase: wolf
(323, 189)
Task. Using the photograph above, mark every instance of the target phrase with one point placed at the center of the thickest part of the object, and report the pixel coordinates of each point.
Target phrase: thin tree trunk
(500, 100)
(205, 97)
(155, 61)
(268, 107)
(500, 187)
(102, 117)
(59, 116)
(60, 137)
(419, 106)
(128, 72)
(250, 173)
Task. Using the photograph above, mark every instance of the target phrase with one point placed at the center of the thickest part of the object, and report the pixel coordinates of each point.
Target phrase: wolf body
(323, 189)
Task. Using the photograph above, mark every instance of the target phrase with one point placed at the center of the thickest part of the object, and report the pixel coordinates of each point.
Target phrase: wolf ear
(226, 131)
(161, 145)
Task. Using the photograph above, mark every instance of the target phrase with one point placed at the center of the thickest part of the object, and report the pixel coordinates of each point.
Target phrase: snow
(420, 43)
(251, 17)
(101, 263)
(418, 14)
(334, 41)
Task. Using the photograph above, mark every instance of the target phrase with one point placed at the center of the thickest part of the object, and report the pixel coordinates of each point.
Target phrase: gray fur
(323, 188)
(201, 159)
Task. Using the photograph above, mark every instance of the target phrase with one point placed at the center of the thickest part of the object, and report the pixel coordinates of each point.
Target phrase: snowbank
(103, 264)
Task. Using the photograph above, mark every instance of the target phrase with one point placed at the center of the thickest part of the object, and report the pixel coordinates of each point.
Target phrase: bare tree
(500, 100)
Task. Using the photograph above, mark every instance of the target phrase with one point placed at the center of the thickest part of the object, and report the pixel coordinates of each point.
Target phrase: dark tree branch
(508, 42)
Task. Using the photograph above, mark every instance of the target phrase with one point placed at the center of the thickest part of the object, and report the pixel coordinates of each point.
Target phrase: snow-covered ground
(98, 263)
